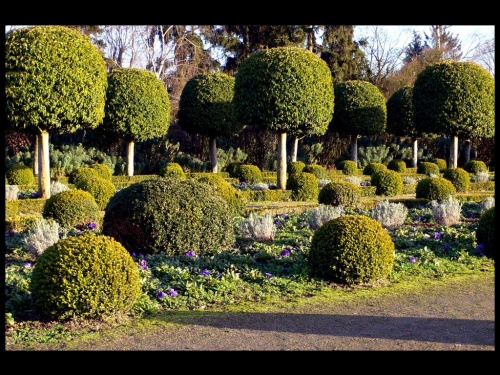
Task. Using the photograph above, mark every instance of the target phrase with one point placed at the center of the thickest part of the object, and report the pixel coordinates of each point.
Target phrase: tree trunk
(35, 157)
(414, 161)
(213, 154)
(43, 165)
(130, 158)
(354, 148)
(295, 148)
(281, 161)
(467, 151)
(453, 152)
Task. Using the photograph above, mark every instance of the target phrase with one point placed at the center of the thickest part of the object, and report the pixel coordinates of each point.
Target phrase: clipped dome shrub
(101, 189)
(428, 168)
(459, 177)
(388, 183)
(435, 188)
(249, 173)
(371, 168)
(475, 166)
(103, 170)
(170, 216)
(295, 166)
(441, 163)
(173, 170)
(318, 170)
(83, 173)
(352, 249)
(72, 208)
(20, 174)
(304, 186)
(485, 232)
(398, 165)
(233, 196)
(340, 193)
(349, 167)
(89, 276)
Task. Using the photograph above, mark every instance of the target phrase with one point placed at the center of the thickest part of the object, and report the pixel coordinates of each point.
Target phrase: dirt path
(456, 315)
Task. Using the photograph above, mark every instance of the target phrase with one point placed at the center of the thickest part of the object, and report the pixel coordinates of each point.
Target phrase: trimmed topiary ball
(249, 173)
(295, 167)
(485, 233)
(349, 167)
(317, 170)
(304, 186)
(170, 216)
(371, 168)
(103, 170)
(72, 208)
(20, 174)
(435, 188)
(82, 173)
(340, 193)
(459, 177)
(388, 183)
(428, 168)
(352, 249)
(173, 170)
(441, 163)
(397, 165)
(101, 189)
(88, 276)
(475, 166)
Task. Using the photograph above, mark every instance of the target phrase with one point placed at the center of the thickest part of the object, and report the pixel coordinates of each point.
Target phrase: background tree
(137, 108)
(55, 82)
(283, 89)
(360, 109)
(455, 99)
(205, 107)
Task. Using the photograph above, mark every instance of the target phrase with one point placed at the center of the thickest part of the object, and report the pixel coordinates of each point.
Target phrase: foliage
(87, 276)
(459, 177)
(349, 167)
(373, 167)
(172, 170)
(171, 216)
(72, 208)
(103, 170)
(341, 193)
(20, 174)
(434, 188)
(380, 154)
(486, 231)
(249, 173)
(100, 188)
(397, 165)
(43, 234)
(296, 166)
(441, 163)
(57, 187)
(446, 212)
(390, 215)
(352, 249)
(475, 166)
(11, 192)
(82, 174)
(304, 186)
(400, 113)
(258, 228)
(318, 170)
(428, 168)
(387, 182)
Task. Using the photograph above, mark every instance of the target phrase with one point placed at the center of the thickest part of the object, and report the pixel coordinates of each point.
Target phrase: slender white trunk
(281, 161)
(295, 148)
(415, 153)
(130, 158)
(43, 165)
(213, 154)
(354, 148)
(35, 157)
(453, 152)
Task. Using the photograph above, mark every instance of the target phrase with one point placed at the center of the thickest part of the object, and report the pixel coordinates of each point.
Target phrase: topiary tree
(400, 118)
(137, 108)
(455, 98)
(20, 174)
(205, 107)
(360, 109)
(284, 89)
(55, 82)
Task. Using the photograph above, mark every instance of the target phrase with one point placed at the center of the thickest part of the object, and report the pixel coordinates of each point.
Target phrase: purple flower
(160, 294)
(27, 265)
(205, 273)
(414, 228)
(437, 235)
(172, 292)
(278, 223)
(133, 255)
(91, 225)
(190, 254)
(143, 264)
(285, 252)
(446, 248)
(270, 276)
(412, 259)
(480, 248)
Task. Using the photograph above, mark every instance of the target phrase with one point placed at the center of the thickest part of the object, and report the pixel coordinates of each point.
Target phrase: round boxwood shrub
(398, 165)
(101, 189)
(83, 173)
(475, 166)
(340, 193)
(459, 177)
(485, 232)
(428, 168)
(72, 208)
(103, 170)
(170, 216)
(441, 163)
(388, 183)
(233, 196)
(304, 186)
(249, 173)
(349, 167)
(318, 170)
(88, 276)
(20, 174)
(435, 188)
(173, 170)
(352, 249)
(371, 168)
(295, 166)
